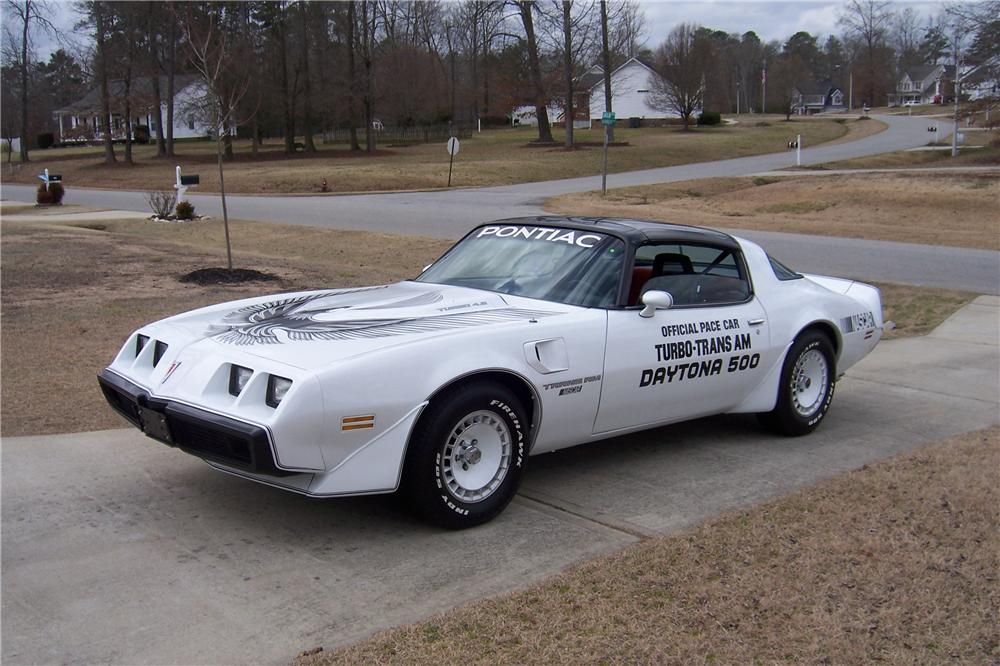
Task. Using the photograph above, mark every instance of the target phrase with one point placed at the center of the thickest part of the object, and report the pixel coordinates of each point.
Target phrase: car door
(702, 356)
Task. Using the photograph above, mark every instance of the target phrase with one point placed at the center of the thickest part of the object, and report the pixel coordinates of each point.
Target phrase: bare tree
(526, 8)
(868, 20)
(218, 53)
(28, 13)
(628, 30)
(572, 27)
(681, 62)
(606, 66)
(307, 93)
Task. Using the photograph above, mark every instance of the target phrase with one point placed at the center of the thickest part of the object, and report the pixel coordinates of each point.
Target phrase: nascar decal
(300, 320)
(684, 359)
(572, 237)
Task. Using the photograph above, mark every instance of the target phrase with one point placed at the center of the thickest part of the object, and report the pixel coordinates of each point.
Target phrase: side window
(695, 275)
(781, 271)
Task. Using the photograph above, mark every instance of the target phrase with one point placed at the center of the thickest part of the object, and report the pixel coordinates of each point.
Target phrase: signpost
(452, 151)
(608, 120)
(798, 150)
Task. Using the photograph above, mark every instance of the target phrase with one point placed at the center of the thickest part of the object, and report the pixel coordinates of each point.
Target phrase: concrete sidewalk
(119, 550)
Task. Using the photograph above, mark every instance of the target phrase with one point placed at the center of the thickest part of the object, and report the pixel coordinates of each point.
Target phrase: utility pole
(763, 88)
(957, 89)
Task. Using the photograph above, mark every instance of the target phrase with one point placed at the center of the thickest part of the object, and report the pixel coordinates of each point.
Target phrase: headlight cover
(238, 378)
(277, 387)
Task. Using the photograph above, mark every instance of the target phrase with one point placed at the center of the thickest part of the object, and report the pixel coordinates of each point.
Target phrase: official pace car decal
(300, 319)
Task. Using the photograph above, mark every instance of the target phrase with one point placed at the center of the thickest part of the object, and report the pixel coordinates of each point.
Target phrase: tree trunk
(102, 52)
(307, 130)
(227, 140)
(289, 104)
(541, 110)
(171, 69)
(606, 64)
(352, 82)
(161, 147)
(367, 37)
(255, 139)
(128, 117)
(568, 65)
(225, 211)
(24, 81)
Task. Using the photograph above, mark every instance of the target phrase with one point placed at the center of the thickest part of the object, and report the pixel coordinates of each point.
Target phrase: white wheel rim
(476, 456)
(809, 382)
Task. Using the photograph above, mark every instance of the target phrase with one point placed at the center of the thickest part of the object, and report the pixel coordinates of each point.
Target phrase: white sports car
(527, 336)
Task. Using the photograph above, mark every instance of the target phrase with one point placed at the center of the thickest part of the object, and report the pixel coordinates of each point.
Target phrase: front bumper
(201, 433)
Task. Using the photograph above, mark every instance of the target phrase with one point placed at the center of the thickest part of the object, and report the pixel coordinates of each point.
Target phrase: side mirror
(654, 300)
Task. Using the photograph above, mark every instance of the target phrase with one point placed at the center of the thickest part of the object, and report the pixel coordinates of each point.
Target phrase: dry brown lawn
(72, 294)
(987, 155)
(895, 563)
(960, 209)
(494, 157)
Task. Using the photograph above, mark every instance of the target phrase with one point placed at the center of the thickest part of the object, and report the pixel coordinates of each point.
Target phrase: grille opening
(122, 404)
(210, 442)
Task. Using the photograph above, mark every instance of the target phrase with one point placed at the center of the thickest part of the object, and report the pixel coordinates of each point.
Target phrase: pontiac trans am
(527, 336)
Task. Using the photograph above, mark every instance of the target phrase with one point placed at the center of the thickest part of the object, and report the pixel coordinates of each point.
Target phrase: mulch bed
(217, 275)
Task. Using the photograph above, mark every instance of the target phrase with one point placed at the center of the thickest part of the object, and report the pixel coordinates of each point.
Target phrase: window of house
(642, 90)
(190, 122)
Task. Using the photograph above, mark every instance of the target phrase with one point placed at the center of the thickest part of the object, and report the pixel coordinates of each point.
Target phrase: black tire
(790, 416)
(431, 472)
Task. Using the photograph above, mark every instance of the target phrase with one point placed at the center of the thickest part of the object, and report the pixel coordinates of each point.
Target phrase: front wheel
(466, 455)
(807, 385)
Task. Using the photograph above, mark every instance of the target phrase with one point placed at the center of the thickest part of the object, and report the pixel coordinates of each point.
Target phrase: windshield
(564, 265)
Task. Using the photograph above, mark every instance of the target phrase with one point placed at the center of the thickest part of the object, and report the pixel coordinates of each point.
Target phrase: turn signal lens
(238, 378)
(277, 387)
(140, 343)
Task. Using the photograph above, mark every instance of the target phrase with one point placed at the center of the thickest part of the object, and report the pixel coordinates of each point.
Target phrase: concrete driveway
(119, 550)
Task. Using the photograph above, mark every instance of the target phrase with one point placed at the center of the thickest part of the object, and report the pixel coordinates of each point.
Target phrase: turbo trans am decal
(299, 319)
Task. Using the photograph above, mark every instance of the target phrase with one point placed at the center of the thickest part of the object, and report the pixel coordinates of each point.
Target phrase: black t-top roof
(636, 232)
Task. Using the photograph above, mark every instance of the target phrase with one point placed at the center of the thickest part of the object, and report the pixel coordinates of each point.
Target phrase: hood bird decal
(299, 319)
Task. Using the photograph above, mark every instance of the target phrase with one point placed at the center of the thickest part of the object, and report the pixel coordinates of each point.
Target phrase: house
(631, 85)
(525, 115)
(81, 120)
(924, 84)
(817, 97)
(982, 81)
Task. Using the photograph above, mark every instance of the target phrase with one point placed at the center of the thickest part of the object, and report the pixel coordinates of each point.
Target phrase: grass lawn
(986, 155)
(896, 562)
(71, 294)
(494, 157)
(956, 209)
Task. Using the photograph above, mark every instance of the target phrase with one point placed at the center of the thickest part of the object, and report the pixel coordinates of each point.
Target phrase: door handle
(756, 322)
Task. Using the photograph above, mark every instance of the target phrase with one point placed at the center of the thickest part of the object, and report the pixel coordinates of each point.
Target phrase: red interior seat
(639, 276)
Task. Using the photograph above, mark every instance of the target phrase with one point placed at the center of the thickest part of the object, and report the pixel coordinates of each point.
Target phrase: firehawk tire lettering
(785, 419)
(423, 479)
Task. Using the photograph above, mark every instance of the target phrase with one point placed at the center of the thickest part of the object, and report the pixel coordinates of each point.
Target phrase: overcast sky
(770, 20)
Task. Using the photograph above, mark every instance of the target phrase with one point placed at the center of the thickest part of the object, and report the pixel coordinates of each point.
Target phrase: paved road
(450, 214)
(119, 550)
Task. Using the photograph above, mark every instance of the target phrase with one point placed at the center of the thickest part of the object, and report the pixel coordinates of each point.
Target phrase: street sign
(452, 151)
(608, 118)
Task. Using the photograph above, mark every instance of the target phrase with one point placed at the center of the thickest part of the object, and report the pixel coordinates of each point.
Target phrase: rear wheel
(465, 457)
(807, 386)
